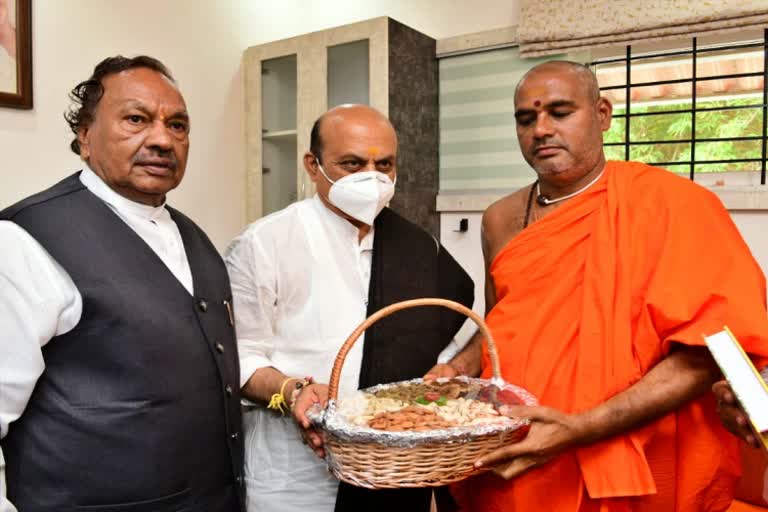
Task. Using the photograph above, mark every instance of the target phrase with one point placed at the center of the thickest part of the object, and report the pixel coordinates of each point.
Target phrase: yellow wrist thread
(277, 402)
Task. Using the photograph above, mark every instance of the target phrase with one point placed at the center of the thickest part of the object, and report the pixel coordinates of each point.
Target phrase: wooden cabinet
(290, 83)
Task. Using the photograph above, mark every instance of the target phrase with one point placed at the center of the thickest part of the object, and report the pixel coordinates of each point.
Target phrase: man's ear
(310, 165)
(604, 113)
(83, 139)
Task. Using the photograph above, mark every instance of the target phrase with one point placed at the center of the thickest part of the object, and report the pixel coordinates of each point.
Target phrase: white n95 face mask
(361, 195)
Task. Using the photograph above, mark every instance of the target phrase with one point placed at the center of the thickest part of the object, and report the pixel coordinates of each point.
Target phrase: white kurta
(39, 301)
(300, 282)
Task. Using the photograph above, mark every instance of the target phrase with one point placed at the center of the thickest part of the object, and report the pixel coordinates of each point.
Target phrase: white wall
(752, 225)
(465, 248)
(202, 43)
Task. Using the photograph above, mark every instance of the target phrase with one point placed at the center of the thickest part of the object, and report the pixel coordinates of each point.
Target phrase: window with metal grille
(700, 111)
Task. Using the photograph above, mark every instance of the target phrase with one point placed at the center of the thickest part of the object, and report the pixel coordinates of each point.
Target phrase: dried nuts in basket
(409, 418)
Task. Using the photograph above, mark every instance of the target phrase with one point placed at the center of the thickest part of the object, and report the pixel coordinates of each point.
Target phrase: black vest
(138, 409)
(407, 264)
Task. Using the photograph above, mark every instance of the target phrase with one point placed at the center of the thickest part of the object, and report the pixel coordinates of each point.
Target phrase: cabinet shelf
(282, 134)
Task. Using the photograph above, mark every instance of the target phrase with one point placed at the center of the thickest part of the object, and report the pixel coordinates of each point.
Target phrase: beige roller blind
(558, 26)
(478, 141)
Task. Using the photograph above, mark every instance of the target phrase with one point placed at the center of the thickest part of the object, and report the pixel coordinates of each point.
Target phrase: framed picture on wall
(16, 53)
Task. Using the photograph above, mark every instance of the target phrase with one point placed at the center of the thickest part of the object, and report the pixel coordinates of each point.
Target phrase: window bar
(765, 108)
(675, 53)
(707, 162)
(628, 101)
(731, 46)
(672, 81)
(685, 111)
(693, 108)
(686, 141)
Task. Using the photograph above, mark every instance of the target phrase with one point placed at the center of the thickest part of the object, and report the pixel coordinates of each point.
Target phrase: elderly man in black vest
(118, 364)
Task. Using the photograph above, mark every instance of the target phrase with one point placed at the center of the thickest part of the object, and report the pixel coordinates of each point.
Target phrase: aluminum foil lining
(334, 423)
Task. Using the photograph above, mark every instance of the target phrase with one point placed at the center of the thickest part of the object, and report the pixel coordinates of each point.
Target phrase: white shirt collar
(343, 224)
(103, 191)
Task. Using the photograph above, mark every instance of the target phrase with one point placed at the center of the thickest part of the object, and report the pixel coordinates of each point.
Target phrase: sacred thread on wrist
(278, 401)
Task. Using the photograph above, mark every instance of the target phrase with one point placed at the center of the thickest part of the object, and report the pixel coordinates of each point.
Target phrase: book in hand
(749, 387)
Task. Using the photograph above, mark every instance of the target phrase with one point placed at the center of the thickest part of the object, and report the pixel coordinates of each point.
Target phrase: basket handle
(333, 385)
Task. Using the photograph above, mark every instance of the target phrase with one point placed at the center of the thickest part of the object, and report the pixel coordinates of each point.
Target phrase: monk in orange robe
(602, 278)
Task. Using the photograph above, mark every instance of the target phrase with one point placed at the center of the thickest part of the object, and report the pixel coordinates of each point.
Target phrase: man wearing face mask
(303, 279)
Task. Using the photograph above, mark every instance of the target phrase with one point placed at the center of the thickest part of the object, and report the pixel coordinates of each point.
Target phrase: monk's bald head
(347, 121)
(560, 119)
(580, 75)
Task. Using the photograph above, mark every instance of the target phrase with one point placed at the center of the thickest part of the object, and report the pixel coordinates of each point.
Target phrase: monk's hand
(551, 433)
(731, 414)
(448, 370)
(307, 398)
(440, 371)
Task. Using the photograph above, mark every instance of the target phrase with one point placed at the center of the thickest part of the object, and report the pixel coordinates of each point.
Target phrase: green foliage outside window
(672, 127)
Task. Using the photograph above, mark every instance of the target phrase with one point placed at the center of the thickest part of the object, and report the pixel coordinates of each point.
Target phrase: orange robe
(589, 299)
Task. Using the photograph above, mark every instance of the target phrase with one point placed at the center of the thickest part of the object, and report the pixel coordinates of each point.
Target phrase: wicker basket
(376, 464)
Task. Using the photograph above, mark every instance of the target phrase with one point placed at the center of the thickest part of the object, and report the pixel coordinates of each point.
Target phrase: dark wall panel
(413, 110)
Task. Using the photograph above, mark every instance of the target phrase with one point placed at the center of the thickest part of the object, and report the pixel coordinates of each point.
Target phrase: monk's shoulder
(509, 206)
(661, 188)
(505, 214)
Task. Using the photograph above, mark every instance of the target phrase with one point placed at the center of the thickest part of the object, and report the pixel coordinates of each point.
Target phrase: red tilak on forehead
(537, 103)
